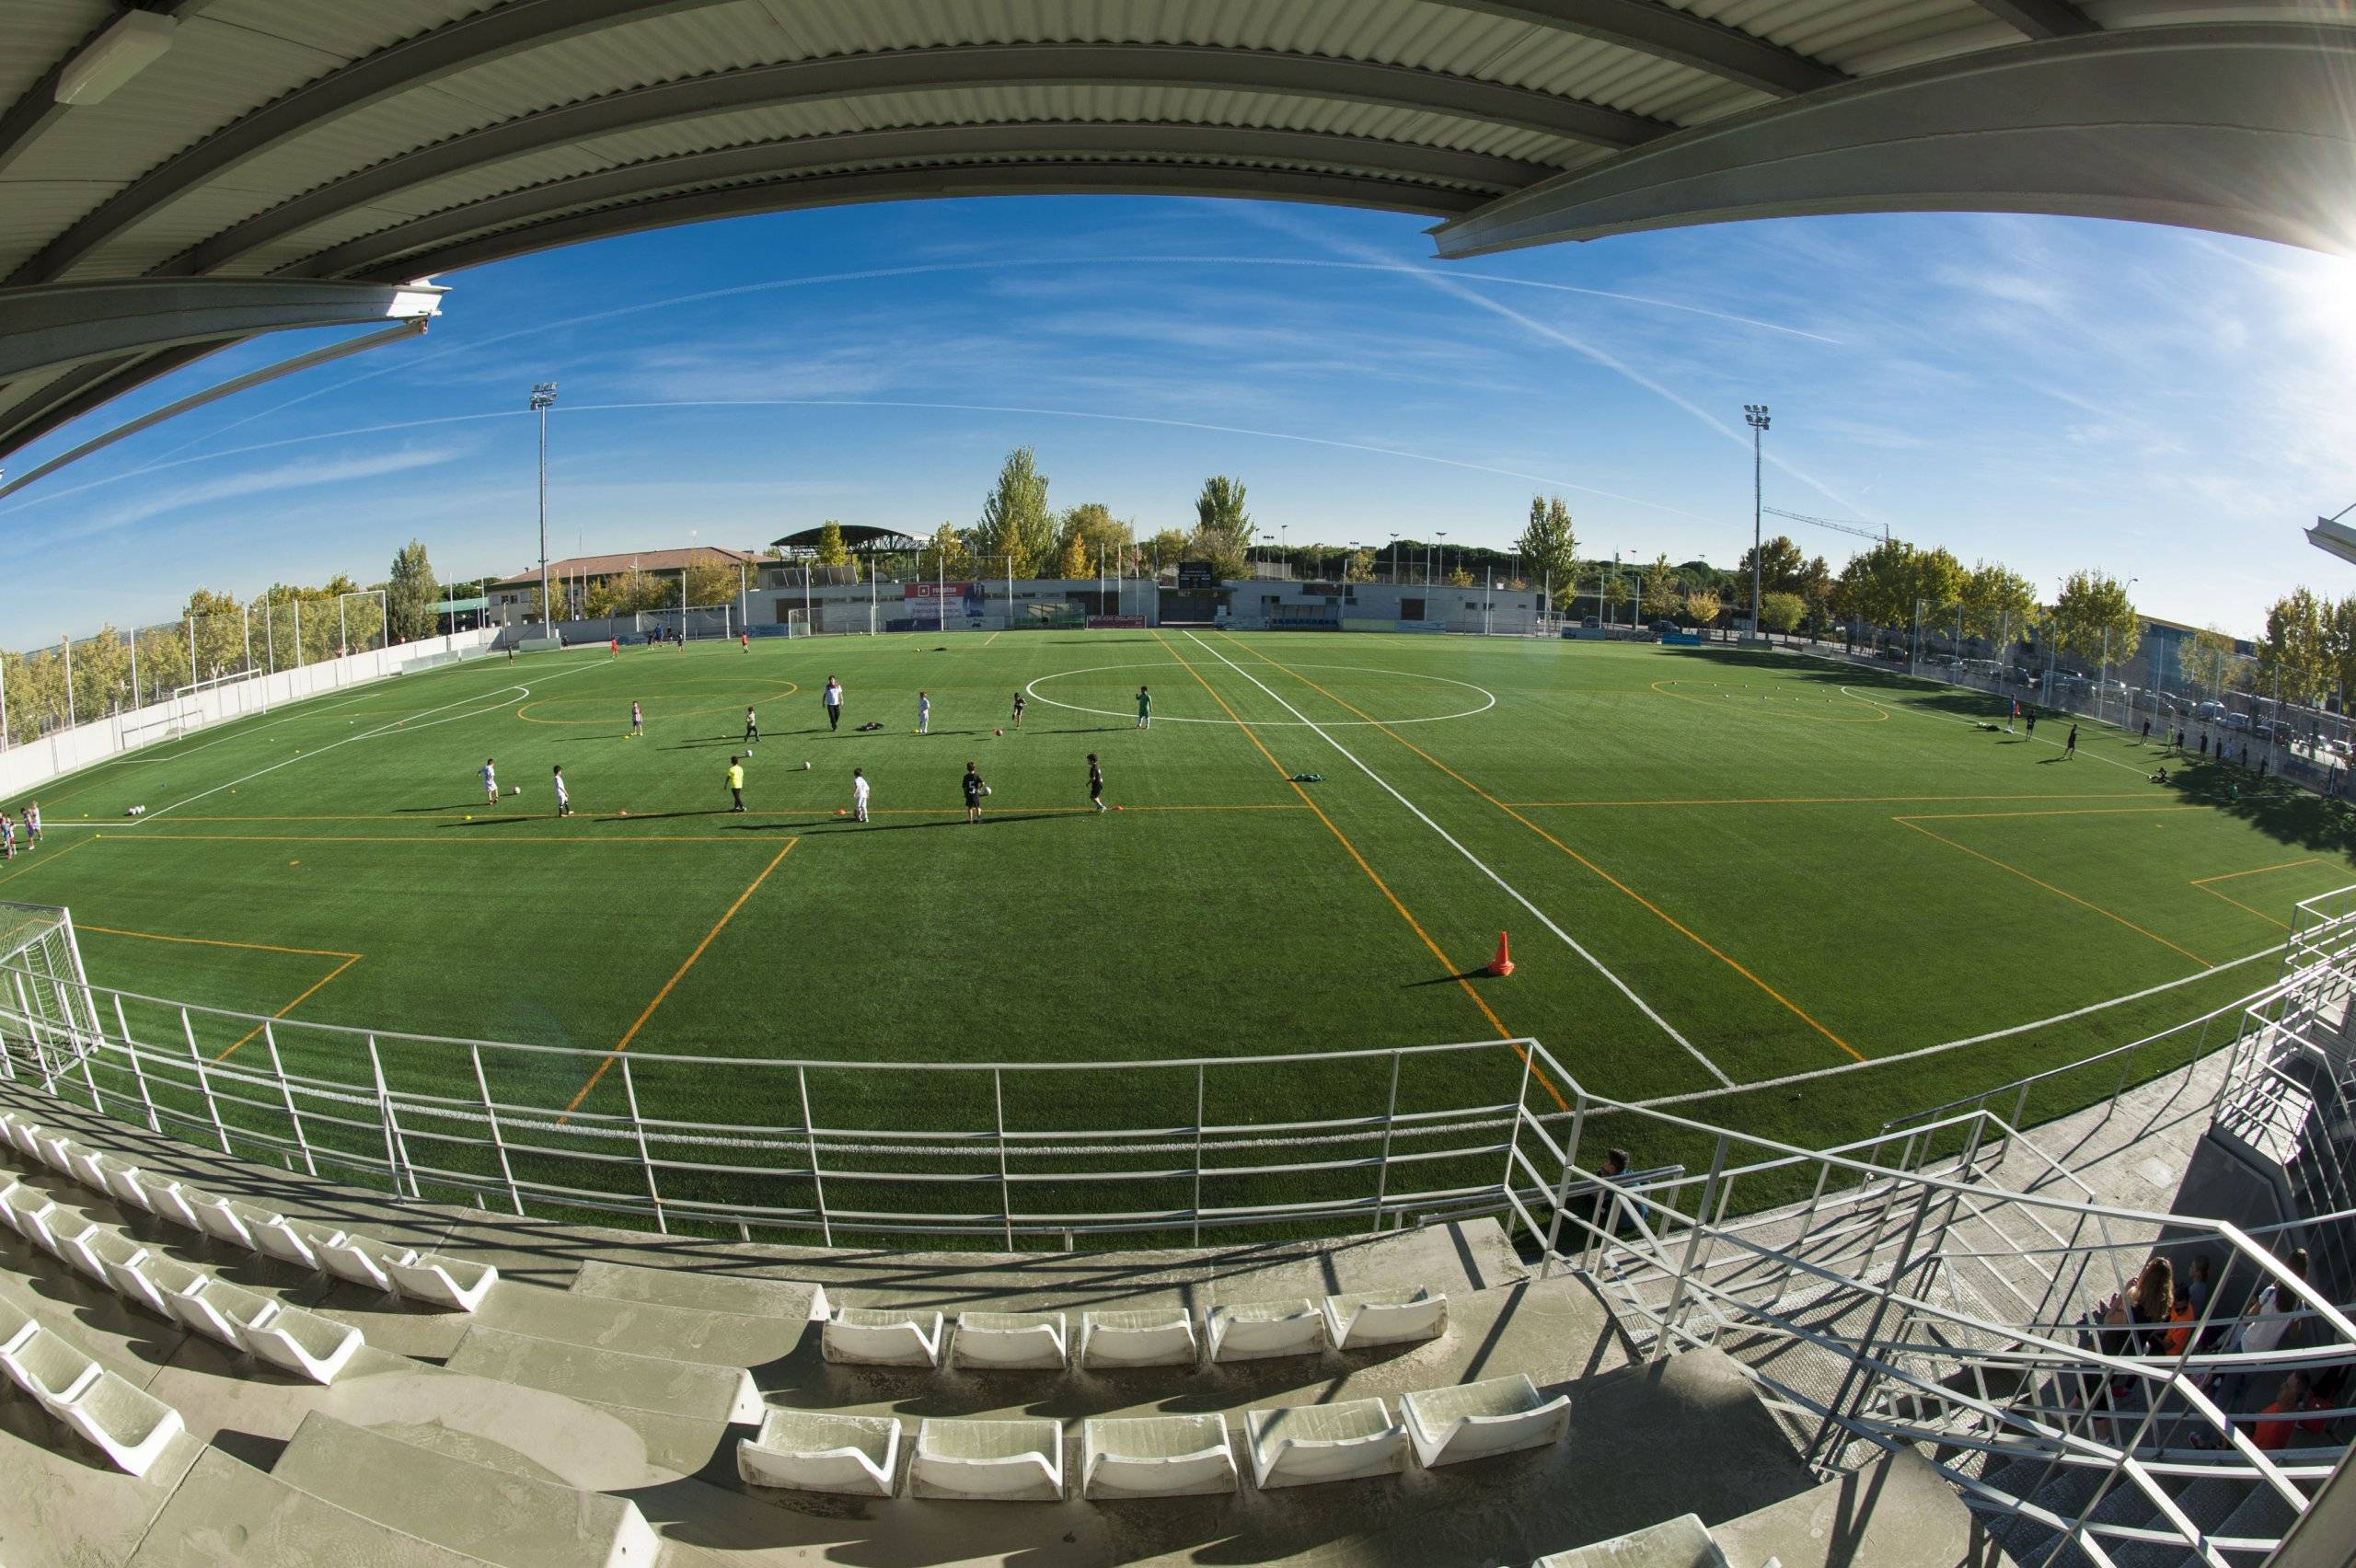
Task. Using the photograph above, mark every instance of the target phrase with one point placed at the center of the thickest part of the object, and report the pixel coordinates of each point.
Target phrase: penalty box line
(1483, 867)
(1655, 910)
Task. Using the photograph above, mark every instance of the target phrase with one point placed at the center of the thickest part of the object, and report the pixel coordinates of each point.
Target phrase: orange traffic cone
(1503, 963)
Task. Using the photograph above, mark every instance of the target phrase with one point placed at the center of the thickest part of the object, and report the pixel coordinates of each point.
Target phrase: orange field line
(2121, 920)
(723, 811)
(214, 941)
(1412, 923)
(461, 839)
(1793, 1008)
(677, 975)
(2203, 884)
(2070, 811)
(53, 854)
(1835, 800)
(290, 1007)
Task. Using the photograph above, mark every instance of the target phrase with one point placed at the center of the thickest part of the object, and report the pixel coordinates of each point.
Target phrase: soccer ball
(517, 789)
(805, 768)
(998, 731)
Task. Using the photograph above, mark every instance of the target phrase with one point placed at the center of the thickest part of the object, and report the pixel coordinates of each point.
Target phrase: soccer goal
(797, 623)
(49, 1022)
(697, 623)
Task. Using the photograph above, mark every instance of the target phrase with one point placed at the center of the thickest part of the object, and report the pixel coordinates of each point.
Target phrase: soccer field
(1718, 870)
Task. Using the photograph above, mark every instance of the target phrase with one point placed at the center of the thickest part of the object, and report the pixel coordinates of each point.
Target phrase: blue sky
(2052, 393)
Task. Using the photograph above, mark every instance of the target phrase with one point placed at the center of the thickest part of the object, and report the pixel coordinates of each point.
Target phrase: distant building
(516, 601)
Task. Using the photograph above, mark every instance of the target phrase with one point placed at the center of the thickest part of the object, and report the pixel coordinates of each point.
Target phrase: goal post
(797, 623)
(49, 1019)
(696, 623)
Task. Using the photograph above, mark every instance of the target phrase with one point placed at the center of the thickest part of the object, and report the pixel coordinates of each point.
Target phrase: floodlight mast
(2333, 536)
(543, 398)
(1756, 415)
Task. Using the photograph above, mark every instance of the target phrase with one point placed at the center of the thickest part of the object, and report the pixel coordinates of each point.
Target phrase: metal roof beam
(2234, 128)
(921, 70)
(1027, 178)
(1652, 28)
(2040, 18)
(1405, 163)
(48, 329)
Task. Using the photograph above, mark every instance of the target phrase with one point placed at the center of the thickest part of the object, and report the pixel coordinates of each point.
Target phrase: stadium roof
(631, 560)
(337, 149)
(862, 538)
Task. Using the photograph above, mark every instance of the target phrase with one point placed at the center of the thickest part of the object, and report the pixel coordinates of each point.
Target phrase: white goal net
(696, 623)
(49, 1020)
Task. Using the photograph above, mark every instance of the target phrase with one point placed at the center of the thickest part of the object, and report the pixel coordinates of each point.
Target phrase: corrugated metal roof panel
(338, 27)
(38, 208)
(41, 33)
(1850, 34)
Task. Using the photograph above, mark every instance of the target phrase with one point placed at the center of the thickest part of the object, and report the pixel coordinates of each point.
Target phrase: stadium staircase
(536, 1393)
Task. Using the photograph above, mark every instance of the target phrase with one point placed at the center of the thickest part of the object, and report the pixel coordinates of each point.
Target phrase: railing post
(204, 1082)
(138, 1073)
(1563, 1188)
(1200, 1103)
(645, 1160)
(1855, 1371)
(498, 1142)
(286, 1093)
(1670, 1314)
(1382, 1169)
(396, 1150)
(33, 1035)
(1005, 1192)
(810, 1139)
(1520, 1110)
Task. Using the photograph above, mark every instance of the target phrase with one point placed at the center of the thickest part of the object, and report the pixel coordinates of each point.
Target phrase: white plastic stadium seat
(1011, 1340)
(363, 1259)
(172, 1201)
(1298, 1444)
(125, 1423)
(1681, 1542)
(19, 1203)
(96, 1248)
(17, 1326)
(817, 1451)
(1256, 1331)
(1156, 1455)
(1384, 1316)
(82, 1164)
(41, 1224)
(47, 1366)
(224, 1219)
(302, 1343)
(988, 1461)
(444, 1282)
(1154, 1336)
(21, 1133)
(217, 1309)
(50, 1150)
(1473, 1421)
(61, 1233)
(290, 1240)
(120, 1178)
(872, 1336)
(133, 1279)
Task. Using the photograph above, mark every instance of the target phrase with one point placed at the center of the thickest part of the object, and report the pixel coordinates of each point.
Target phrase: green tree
(1102, 537)
(716, 581)
(2207, 661)
(1660, 585)
(1460, 578)
(410, 593)
(1782, 612)
(1219, 509)
(1815, 588)
(1015, 521)
(1227, 554)
(1998, 604)
(1781, 566)
(2297, 655)
(218, 624)
(832, 551)
(948, 557)
(1885, 585)
(1361, 566)
(1164, 548)
(1075, 562)
(163, 663)
(2093, 617)
(1702, 606)
(1549, 546)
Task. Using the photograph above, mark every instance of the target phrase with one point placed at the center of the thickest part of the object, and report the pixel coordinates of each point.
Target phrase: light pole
(1443, 550)
(1755, 414)
(1395, 561)
(543, 398)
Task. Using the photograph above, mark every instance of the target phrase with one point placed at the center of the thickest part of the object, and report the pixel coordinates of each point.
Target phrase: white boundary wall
(28, 766)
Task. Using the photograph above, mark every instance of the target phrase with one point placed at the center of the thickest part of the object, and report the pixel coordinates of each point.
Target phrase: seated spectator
(2289, 1400)
(1604, 1213)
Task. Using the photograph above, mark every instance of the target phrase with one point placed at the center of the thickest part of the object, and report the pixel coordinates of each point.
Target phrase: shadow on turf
(1448, 979)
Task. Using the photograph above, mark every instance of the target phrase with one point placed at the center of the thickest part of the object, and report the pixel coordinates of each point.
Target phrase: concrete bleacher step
(53, 1490)
(2064, 1492)
(1897, 1513)
(609, 1377)
(515, 1520)
(679, 1333)
(746, 1294)
(227, 1511)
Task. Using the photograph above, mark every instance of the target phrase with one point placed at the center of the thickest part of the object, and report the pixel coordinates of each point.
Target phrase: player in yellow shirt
(736, 780)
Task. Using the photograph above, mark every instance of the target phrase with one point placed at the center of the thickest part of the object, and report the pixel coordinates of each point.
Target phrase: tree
(1781, 612)
(832, 551)
(1361, 566)
(1549, 545)
(948, 557)
(218, 622)
(1164, 550)
(1998, 604)
(2209, 661)
(2093, 617)
(1703, 607)
(1015, 521)
(163, 663)
(1223, 550)
(1075, 561)
(1659, 582)
(410, 593)
(2297, 656)
(1883, 585)
(1460, 578)
(1101, 538)
(1219, 509)
(1781, 566)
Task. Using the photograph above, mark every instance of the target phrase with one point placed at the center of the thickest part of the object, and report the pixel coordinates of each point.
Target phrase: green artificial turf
(1794, 865)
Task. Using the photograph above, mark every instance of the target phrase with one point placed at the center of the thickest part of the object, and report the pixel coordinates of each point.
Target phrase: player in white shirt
(489, 782)
(858, 795)
(924, 714)
(563, 796)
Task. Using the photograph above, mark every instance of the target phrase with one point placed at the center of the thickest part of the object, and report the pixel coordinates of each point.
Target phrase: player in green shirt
(1144, 708)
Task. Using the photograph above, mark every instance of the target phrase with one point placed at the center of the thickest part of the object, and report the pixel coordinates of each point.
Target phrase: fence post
(1005, 1194)
(1520, 1110)
(131, 1049)
(396, 1150)
(203, 1081)
(1390, 1116)
(1670, 1314)
(286, 1092)
(490, 1117)
(645, 1160)
(1852, 1376)
(1199, 1100)
(1562, 1191)
(810, 1139)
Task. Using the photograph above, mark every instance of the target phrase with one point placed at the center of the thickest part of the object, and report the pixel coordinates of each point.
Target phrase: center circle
(1489, 698)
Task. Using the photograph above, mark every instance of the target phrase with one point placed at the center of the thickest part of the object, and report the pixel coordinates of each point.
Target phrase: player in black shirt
(1095, 783)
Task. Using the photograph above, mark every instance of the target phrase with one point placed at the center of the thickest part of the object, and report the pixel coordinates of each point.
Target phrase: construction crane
(1862, 532)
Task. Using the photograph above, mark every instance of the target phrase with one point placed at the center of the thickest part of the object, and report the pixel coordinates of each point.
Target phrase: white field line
(1935, 719)
(387, 729)
(1972, 1040)
(1511, 892)
(142, 753)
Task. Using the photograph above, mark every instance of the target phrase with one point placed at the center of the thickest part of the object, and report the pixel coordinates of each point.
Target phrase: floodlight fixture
(135, 40)
(2335, 538)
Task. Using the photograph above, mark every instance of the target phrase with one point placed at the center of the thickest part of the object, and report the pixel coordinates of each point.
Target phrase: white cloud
(296, 475)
